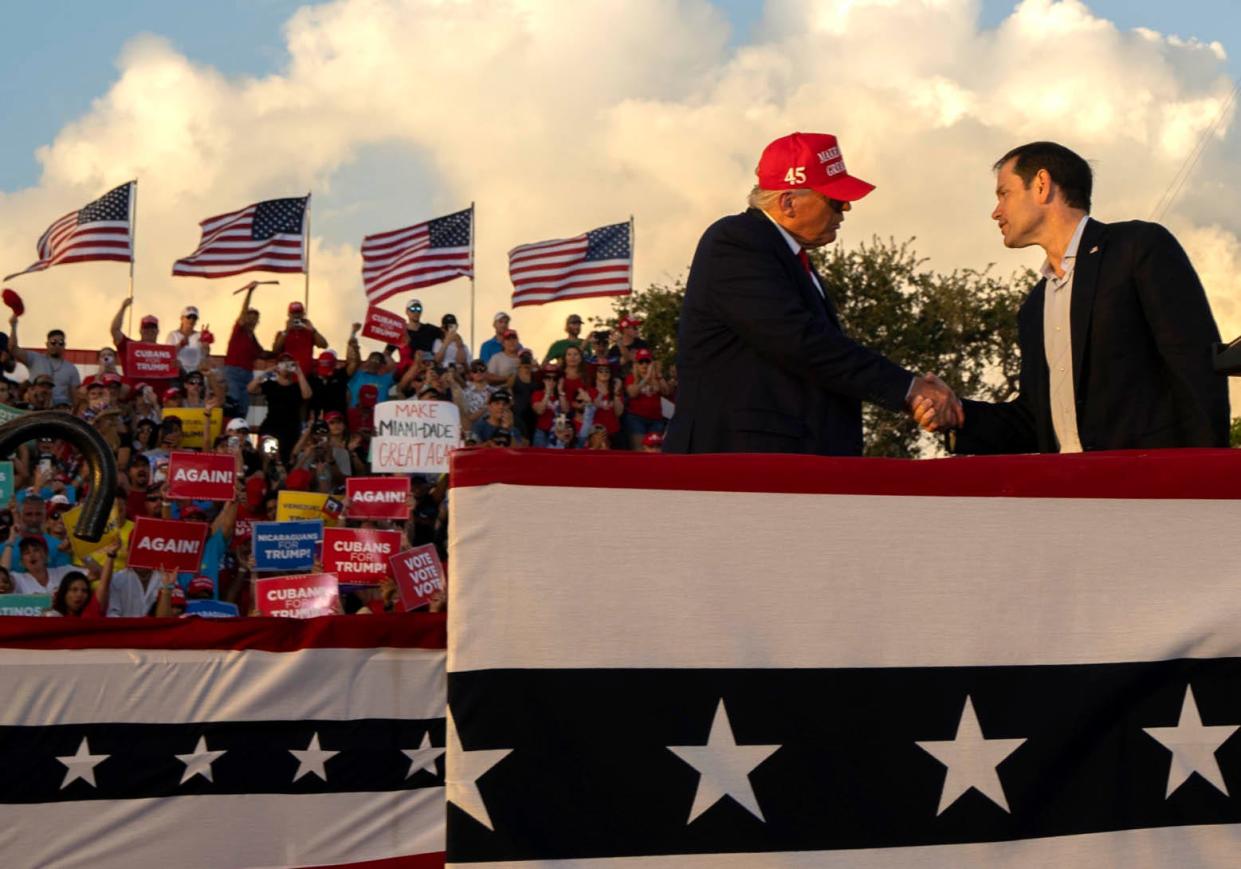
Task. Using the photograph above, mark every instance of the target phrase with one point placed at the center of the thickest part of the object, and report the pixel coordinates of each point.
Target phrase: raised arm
(117, 335)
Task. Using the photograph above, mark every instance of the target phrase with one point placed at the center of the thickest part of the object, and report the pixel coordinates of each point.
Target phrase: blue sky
(66, 52)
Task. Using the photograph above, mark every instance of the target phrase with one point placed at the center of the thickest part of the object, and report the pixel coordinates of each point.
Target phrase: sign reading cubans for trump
(383, 326)
(414, 437)
(298, 597)
(150, 362)
(359, 555)
(202, 476)
(377, 497)
(418, 574)
(165, 544)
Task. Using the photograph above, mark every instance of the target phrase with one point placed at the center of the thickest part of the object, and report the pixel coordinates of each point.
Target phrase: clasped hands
(933, 404)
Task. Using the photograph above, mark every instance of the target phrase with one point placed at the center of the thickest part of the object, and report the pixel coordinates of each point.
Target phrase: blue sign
(284, 546)
(212, 609)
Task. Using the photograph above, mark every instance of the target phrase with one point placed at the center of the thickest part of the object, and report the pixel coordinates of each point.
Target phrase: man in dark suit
(762, 362)
(1115, 339)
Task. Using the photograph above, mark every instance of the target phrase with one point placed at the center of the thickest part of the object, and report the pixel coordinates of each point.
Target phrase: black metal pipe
(99, 459)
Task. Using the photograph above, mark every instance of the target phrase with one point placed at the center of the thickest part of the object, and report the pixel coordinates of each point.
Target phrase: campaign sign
(384, 326)
(299, 505)
(150, 362)
(212, 609)
(6, 483)
(10, 413)
(113, 531)
(167, 544)
(414, 437)
(286, 545)
(24, 604)
(377, 497)
(298, 597)
(202, 476)
(359, 555)
(418, 574)
(199, 426)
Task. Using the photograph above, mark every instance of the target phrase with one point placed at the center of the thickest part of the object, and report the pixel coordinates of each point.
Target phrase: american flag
(268, 236)
(100, 231)
(1048, 674)
(223, 743)
(417, 256)
(595, 263)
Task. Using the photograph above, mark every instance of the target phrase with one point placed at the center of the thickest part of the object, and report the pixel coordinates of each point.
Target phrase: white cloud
(559, 117)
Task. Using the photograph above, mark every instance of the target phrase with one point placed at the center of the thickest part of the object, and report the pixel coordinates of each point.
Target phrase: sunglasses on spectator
(413, 307)
(59, 342)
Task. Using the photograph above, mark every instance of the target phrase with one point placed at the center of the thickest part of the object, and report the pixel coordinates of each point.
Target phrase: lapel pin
(1094, 249)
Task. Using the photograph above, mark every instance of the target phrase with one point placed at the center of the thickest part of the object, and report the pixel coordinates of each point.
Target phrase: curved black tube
(99, 459)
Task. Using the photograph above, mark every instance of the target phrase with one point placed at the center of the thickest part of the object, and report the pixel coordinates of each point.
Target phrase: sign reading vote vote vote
(165, 544)
(286, 545)
(414, 437)
(377, 497)
(202, 476)
(359, 555)
(418, 574)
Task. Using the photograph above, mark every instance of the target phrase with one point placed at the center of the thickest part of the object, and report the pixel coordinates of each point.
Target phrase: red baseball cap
(150, 320)
(297, 308)
(172, 392)
(201, 585)
(326, 363)
(654, 439)
(643, 355)
(809, 161)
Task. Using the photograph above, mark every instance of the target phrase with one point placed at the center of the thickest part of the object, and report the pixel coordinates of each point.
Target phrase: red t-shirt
(645, 406)
(243, 348)
(548, 418)
(604, 416)
(300, 344)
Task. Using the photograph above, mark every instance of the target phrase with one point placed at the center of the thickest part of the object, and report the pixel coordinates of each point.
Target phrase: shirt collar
(792, 242)
(1070, 254)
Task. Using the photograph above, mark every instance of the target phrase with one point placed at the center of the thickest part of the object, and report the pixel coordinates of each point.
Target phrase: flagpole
(473, 270)
(133, 249)
(632, 239)
(306, 255)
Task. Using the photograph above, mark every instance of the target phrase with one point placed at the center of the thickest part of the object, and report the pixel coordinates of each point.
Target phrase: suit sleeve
(750, 294)
(1184, 331)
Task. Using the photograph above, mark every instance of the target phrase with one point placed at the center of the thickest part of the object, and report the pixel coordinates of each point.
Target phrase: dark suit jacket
(762, 363)
(1142, 332)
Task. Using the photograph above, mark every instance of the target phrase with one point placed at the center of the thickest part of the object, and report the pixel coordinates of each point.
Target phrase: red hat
(14, 301)
(150, 320)
(297, 480)
(510, 333)
(809, 160)
(332, 416)
(171, 392)
(201, 585)
(326, 363)
(643, 355)
(297, 308)
(626, 322)
(110, 379)
(92, 381)
(138, 387)
(191, 513)
(178, 596)
(654, 439)
(368, 394)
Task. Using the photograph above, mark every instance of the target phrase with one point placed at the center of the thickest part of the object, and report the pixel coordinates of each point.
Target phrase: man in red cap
(329, 386)
(299, 338)
(763, 363)
(148, 333)
(243, 352)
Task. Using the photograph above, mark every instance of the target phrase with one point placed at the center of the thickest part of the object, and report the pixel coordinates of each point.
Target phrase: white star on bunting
(199, 761)
(724, 767)
(423, 757)
(311, 760)
(1193, 746)
(462, 771)
(81, 765)
(971, 759)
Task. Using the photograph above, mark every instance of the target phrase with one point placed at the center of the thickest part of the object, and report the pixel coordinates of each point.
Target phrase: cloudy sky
(556, 117)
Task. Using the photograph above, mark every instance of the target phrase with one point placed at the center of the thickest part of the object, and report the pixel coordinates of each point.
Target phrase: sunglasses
(57, 342)
(414, 308)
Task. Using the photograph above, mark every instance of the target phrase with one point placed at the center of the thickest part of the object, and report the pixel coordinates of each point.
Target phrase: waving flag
(268, 236)
(418, 256)
(595, 263)
(220, 744)
(103, 230)
(996, 662)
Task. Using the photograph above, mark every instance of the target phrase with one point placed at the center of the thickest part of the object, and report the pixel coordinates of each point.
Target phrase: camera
(298, 323)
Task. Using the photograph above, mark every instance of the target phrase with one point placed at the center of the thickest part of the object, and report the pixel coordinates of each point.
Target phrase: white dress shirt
(796, 248)
(1058, 344)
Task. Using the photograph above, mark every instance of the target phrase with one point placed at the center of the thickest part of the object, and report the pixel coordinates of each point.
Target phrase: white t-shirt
(454, 354)
(25, 583)
(127, 597)
(190, 349)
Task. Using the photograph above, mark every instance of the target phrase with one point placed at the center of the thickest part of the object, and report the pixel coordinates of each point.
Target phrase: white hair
(764, 200)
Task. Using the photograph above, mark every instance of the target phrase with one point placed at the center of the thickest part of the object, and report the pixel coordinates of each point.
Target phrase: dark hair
(55, 332)
(1069, 171)
(62, 591)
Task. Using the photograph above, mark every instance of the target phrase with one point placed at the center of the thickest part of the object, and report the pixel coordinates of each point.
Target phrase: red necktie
(805, 260)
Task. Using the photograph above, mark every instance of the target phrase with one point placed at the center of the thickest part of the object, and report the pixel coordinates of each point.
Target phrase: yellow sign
(301, 505)
(199, 427)
(111, 532)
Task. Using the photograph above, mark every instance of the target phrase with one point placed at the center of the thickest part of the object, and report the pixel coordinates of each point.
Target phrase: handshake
(933, 404)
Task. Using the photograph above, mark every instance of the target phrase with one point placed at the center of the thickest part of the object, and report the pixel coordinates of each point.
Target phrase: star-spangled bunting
(417, 256)
(198, 762)
(267, 236)
(422, 758)
(312, 760)
(99, 231)
(464, 769)
(595, 263)
(81, 765)
(1193, 746)
(971, 759)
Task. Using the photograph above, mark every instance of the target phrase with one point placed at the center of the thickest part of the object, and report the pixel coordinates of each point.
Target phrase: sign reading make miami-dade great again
(414, 437)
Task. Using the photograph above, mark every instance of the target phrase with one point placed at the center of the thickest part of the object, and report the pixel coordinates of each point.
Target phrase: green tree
(961, 325)
(1234, 435)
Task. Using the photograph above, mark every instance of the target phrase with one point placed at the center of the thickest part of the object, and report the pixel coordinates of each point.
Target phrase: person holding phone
(285, 387)
(451, 351)
(298, 338)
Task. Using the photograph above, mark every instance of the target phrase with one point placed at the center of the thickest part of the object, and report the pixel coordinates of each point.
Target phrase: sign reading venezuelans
(414, 437)
(377, 497)
(165, 544)
(298, 597)
(359, 555)
(145, 361)
(202, 476)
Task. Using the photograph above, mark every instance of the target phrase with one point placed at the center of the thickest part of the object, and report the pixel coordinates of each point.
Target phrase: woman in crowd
(474, 395)
(574, 375)
(74, 598)
(34, 577)
(606, 398)
(645, 388)
(547, 403)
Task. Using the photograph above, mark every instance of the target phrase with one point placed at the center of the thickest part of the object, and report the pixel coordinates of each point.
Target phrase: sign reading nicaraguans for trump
(383, 326)
(165, 544)
(377, 497)
(414, 437)
(202, 476)
(298, 597)
(286, 545)
(150, 362)
(359, 555)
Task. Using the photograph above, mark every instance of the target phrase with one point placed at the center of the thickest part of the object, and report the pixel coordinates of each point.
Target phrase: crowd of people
(314, 419)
